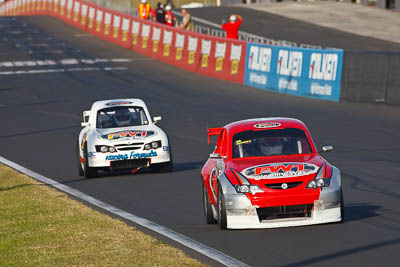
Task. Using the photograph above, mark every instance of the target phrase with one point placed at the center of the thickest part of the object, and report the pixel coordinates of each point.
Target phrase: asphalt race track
(40, 113)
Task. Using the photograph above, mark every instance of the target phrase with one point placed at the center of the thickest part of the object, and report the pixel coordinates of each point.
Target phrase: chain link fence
(209, 28)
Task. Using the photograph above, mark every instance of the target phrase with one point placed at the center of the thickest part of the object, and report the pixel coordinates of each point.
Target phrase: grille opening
(132, 144)
(284, 212)
(129, 164)
(279, 185)
(128, 148)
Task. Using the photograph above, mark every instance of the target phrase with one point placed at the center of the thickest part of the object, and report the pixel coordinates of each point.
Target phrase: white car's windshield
(124, 116)
(289, 141)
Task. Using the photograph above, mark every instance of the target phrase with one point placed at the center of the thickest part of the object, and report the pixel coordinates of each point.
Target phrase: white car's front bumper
(158, 155)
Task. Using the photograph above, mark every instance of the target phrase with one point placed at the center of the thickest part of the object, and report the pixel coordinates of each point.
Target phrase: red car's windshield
(276, 142)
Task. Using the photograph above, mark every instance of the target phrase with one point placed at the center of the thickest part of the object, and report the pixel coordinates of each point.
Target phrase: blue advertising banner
(313, 73)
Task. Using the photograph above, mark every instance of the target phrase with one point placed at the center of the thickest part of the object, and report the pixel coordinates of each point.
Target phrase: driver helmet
(270, 146)
(122, 117)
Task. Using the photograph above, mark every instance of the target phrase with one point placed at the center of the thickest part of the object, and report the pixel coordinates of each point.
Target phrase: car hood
(128, 133)
(281, 167)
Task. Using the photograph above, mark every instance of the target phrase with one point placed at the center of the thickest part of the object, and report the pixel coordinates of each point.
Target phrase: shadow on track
(186, 166)
(40, 131)
(365, 186)
(32, 104)
(343, 253)
(360, 211)
(178, 167)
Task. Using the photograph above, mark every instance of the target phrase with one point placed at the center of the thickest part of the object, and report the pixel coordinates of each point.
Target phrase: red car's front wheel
(207, 207)
(221, 208)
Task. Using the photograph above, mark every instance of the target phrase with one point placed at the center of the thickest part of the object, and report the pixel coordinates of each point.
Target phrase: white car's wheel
(162, 167)
(89, 172)
(78, 160)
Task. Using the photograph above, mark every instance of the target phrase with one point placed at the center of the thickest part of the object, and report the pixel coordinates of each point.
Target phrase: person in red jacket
(144, 10)
(169, 16)
(232, 27)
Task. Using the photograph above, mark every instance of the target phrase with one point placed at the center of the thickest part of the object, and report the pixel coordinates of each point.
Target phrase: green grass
(42, 226)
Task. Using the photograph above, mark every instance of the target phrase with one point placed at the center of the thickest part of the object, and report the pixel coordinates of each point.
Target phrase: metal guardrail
(211, 28)
(120, 6)
(215, 30)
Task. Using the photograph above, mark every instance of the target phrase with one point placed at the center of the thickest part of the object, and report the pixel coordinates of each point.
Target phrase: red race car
(267, 173)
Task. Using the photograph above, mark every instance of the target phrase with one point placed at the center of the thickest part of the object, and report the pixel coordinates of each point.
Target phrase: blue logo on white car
(132, 155)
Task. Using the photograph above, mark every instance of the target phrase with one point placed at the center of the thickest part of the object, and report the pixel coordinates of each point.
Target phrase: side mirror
(156, 119)
(216, 156)
(326, 148)
(84, 124)
(86, 115)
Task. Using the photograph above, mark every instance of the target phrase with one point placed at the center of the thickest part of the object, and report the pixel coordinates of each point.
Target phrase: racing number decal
(213, 182)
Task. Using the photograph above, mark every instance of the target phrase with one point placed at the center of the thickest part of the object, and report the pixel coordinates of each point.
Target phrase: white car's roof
(117, 102)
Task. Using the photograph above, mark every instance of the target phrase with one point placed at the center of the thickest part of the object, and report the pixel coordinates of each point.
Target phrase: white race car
(120, 134)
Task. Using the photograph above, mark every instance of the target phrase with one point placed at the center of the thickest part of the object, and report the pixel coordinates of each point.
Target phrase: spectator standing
(159, 13)
(170, 3)
(169, 16)
(187, 23)
(144, 10)
(232, 27)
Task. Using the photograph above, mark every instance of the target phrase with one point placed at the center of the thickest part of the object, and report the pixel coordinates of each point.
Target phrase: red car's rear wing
(213, 131)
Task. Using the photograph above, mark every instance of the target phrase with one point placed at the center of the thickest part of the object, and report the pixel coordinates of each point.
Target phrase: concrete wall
(371, 77)
(232, 2)
(395, 4)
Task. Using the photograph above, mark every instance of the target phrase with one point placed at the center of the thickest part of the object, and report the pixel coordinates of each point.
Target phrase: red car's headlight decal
(328, 170)
(322, 178)
(237, 176)
(240, 177)
(244, 185)
(325, 171)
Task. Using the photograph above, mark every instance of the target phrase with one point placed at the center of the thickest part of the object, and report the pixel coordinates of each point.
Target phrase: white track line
(19, 72)
(177, 237)
(64, 61)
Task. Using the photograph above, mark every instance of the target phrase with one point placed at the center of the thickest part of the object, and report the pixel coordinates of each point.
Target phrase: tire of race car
(221, 209)
(166, 166)
(207, 207)
(162, 167)
(78, 162)
(89, 172)
(341, 206)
